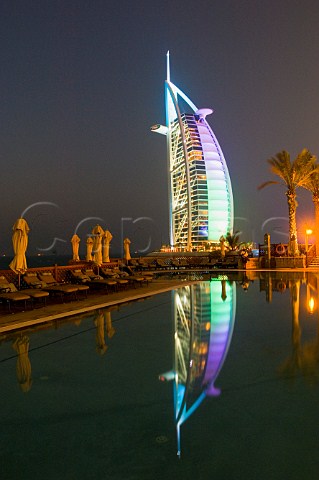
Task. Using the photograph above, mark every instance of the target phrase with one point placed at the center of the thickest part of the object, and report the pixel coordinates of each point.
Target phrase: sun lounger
(144, 265)
(184, 263)
(162, 264)
(115, 275)
(32, 281)
(135, 278)
(98, 281)
(81, 280)
(147, 274)
(227, 262)
(180, 263)
(34, 293)
(9, 293)
(89, 272)
(138, 264)
(79, 276)
(133, 262)
(34, 287)
(48, 277)
(175, 263)
(49, 283)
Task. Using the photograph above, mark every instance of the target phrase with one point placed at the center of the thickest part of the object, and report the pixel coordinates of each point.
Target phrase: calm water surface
(217, 380)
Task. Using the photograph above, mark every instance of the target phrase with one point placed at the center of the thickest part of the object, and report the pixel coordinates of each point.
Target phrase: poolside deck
(57, 310)
(162, 282)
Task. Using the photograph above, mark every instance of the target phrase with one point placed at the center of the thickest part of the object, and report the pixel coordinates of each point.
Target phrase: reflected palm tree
(204, 320)
(310, 349)
(268, 286)
(224, 293)
(23, 368)
(245, 283)
(293, 363)
(304, 359)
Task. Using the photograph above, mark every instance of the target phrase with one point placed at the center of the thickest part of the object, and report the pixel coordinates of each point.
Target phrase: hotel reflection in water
(204, 316)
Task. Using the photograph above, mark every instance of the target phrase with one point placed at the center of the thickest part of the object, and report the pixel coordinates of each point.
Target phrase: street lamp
(308, 232)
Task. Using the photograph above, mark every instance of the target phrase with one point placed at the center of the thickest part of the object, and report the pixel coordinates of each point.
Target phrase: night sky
(82, 82)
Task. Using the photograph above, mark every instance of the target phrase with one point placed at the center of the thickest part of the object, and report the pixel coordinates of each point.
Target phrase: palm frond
(232, 239)
(280, 165)
(303, 168)
(265, 184)
(296, 173)
(312, 183)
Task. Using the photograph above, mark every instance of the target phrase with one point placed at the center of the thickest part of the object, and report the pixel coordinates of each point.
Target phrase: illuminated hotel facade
(200, 192)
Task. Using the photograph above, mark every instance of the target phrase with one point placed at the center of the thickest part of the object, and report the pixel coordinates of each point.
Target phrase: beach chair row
(39, 288)
(115, 278)
(169, 263)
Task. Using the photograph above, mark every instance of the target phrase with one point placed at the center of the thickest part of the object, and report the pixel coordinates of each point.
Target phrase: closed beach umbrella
(101, 346)
(20, 243)
(127, 255)
(109, 327)
(75, 240)
(21, 346)
(89, 248)
(107, 237)
(97, 233)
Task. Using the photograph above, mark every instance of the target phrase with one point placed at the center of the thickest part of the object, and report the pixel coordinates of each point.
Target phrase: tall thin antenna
(168, 75)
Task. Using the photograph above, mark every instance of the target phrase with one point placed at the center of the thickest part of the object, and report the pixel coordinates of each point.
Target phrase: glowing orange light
(308, 232)
(311, 305)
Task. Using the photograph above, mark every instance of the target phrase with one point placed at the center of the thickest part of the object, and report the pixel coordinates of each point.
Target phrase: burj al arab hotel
(200, 192)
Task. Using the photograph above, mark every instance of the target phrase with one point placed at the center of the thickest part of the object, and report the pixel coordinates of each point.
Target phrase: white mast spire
(168, 76)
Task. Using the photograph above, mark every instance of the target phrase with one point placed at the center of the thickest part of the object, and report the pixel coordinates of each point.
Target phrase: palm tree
(293, 174)
(232, 240)
(313, 186)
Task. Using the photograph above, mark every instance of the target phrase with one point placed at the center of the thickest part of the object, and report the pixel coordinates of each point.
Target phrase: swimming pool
(214, 380)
